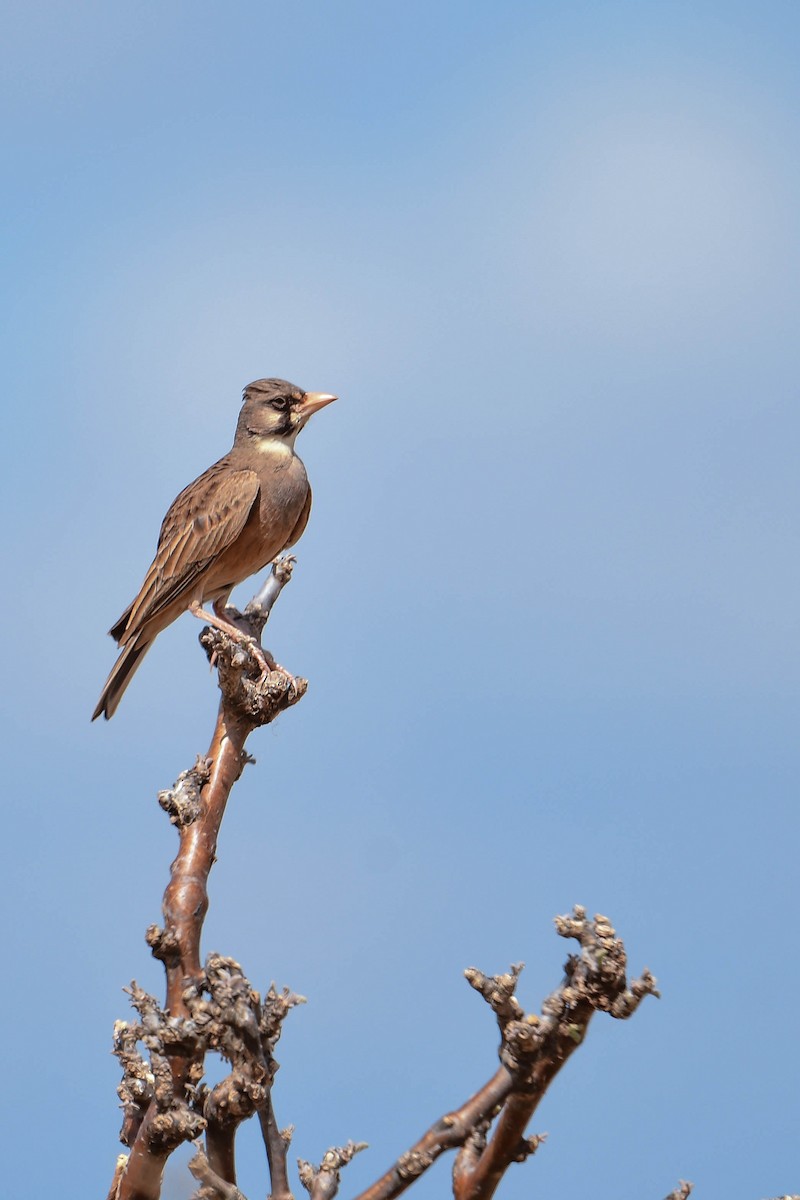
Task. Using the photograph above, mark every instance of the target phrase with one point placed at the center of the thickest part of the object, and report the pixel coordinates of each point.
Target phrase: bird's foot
(263, 657)
(217, 621)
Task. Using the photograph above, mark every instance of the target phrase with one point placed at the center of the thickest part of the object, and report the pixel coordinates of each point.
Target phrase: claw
(263, 657)
(276, 666)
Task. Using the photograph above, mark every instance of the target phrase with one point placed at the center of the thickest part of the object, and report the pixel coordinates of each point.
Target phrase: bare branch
(498, 991)
(275, 1007)
(683, 1191)
(533, 1049)
(214, 1007)
(213, 1187)
(136, 1088)
(119, 1169)
(260, 607)
(447, 1133)
(181, 802)
(276, 1142)
(156, 1120)
(322, 1182)
(232, 1022)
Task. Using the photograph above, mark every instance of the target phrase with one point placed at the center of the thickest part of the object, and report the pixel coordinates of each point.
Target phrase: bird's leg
(219, 622)
(221, 610)
(263, 657)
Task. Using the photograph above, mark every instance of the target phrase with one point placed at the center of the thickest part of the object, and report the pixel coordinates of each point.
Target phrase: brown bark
(533, 1050)
(160, 1116)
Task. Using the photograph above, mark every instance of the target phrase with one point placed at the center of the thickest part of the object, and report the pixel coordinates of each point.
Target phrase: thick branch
(196, 806)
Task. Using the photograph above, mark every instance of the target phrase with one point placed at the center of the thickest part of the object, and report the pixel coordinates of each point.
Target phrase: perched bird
(233, 520)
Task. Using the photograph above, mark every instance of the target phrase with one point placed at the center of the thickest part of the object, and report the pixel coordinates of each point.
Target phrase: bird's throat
(275, 446)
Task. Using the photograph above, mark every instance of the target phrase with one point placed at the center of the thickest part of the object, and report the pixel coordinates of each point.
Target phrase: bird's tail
(117, 630)
(120, 677)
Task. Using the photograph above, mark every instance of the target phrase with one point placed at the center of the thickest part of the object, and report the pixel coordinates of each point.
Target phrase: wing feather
(204, 520)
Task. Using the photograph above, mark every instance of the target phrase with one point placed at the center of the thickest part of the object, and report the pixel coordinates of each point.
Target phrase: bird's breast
(283, 490)
(283, 494)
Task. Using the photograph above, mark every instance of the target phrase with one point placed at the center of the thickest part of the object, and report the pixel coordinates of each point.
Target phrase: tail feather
(120, 677)
(118, 628)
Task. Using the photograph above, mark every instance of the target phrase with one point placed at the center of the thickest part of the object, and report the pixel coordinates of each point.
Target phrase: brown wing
(203, 521)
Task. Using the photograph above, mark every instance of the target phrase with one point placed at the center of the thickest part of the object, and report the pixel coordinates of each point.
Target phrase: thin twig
(212, 1185)
(446, 1133)
(276, 1144)
(322, 1182)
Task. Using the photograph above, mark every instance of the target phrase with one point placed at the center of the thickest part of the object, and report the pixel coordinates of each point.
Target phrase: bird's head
(273, 408)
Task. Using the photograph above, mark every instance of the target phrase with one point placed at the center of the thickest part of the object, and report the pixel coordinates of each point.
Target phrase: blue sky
(548, 256)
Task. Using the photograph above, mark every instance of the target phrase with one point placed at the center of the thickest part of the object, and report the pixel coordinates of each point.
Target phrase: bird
(230, 523)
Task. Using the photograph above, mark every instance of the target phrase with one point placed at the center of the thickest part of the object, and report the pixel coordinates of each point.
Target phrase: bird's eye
(280, 403)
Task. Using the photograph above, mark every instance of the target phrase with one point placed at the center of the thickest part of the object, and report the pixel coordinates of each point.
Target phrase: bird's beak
(312, 401)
